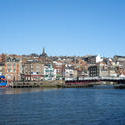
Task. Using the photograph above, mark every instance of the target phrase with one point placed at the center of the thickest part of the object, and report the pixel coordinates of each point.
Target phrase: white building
(49, 72)
(99, 59)
(70, 72)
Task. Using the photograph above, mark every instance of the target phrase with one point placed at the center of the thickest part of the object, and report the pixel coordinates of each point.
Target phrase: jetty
(34, 84)
(71, 83)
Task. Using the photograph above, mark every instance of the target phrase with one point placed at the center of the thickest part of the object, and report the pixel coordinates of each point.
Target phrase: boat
(3, 81)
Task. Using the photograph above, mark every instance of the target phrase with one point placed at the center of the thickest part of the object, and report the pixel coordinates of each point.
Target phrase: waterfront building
(82, 67)
(49, 72)
(3, 58)
(70, 72)
(37, 67)
(103, 70)
(33, 70)
(120, 60)
(82, 72)
(93, 71)
(108, 69)
(13, 68)
(59, 66)
(2, 68)
(113, 73)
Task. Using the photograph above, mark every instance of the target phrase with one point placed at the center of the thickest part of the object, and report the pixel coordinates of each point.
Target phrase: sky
(63, 27)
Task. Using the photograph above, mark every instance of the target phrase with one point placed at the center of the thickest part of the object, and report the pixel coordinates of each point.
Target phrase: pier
(70, 83)
(34, 84)
(87, 80)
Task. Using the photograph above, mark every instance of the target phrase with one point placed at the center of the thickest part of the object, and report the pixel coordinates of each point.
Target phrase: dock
(34, 84)
(78, 83)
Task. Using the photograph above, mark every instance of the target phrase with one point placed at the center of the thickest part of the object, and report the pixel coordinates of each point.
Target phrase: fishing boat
(3, 81)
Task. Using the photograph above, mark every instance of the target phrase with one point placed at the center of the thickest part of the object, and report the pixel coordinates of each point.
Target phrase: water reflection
(75, 106)
(23, 90)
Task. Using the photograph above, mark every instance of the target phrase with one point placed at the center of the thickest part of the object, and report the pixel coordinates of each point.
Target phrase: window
(37, 67)
(8, 64)
(14, 64)
(9, 70)
(14, 70)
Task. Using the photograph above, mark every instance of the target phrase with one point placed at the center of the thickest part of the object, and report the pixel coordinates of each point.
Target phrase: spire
(43, 50)
(43, 53)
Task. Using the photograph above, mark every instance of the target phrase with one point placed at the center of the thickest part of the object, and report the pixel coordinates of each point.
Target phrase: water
(77, 106)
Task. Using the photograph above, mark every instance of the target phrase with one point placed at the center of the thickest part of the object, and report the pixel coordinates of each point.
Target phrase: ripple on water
(62, 106)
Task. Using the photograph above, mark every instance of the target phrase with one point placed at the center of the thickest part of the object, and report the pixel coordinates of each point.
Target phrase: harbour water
(73, 106)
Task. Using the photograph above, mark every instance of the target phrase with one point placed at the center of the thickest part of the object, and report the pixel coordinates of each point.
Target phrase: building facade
(13, 68)
(60, 69)
(33, 71)
(70, 72)
(93, 71)
(2, 69)
(49, 72)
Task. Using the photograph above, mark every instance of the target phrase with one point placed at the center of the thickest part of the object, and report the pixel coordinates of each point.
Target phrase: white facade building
(49, 72)
(99, 59)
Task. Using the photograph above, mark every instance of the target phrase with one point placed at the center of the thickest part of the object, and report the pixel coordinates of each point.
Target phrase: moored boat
(3, 81)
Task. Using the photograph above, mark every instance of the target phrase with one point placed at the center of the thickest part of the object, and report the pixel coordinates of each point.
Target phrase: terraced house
(33, 70)
(13, 68)
(49, 72)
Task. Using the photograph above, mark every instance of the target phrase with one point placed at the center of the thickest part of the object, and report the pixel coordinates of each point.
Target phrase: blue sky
(63, 27)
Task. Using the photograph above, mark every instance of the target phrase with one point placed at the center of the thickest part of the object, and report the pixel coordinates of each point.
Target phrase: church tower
(43, 53)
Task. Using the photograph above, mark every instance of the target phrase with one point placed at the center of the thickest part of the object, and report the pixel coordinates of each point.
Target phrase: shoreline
(61, 84)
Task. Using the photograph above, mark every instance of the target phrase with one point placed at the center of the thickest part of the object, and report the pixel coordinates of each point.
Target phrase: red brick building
(13, 68)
